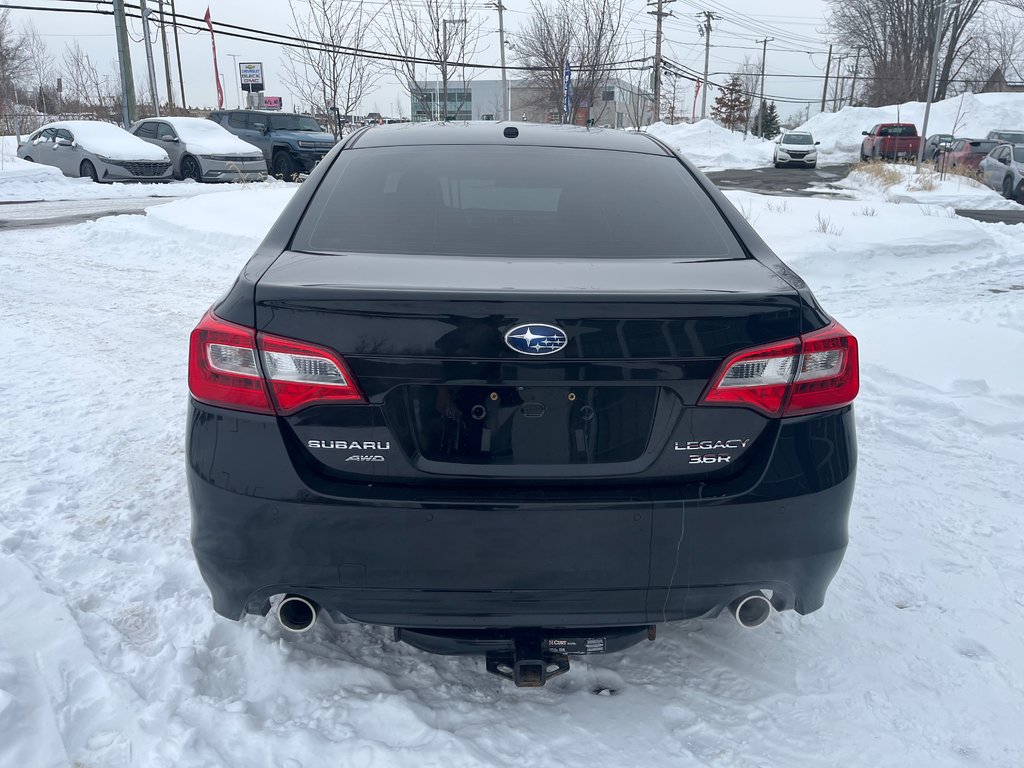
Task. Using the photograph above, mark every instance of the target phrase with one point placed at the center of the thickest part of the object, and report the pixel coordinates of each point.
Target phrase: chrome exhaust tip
(297, 614)
(751, 610)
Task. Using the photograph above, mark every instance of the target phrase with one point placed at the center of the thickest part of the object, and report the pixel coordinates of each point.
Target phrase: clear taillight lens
(225, 370)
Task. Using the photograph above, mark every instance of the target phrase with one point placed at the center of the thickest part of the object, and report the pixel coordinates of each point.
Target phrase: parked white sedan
(202, 150)
(96, 150)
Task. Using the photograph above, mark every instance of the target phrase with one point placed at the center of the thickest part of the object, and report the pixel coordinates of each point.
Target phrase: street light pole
(238, 93)
(444, 63)
(931, 82)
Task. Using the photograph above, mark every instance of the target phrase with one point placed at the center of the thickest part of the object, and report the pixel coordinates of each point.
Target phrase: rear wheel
(1008, 188)
(29, 160)
(284, 166)
(87, 169)
(190, 168)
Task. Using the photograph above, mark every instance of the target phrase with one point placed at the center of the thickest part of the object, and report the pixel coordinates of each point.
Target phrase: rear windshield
(513, 201)
(982, 147)
(898, 130)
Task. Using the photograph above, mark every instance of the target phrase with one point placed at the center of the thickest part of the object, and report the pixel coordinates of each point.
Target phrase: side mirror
(864, 133)
(817, 143)
(61, 142)
(171, 139)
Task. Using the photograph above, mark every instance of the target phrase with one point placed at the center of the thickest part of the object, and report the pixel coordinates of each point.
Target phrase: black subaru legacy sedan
(519, 390)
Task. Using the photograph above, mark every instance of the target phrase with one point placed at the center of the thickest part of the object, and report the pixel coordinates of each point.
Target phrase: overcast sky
(799, 47)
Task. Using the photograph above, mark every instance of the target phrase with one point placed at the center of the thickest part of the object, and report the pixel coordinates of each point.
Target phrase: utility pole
(705, 31)
(760, 109)
(167, 60)
(856, 71)
(153, 95)
(828, 67)
(931, 82)
(659, 13)
(506, 95)
(177, 54)
(837, 86)
(124, 62)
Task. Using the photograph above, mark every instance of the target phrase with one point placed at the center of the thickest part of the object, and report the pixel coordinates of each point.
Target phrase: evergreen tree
(730, 107)
(771, 121)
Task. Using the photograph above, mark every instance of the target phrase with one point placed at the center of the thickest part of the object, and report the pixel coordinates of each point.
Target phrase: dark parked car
(936, 143)
(292, 144)
(965, 154)
(1010, 137)
(468, 389)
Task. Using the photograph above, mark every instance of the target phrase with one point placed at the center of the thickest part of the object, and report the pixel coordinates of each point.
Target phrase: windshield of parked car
(513, 201)
(1010, 136)
(797, 138)
(1018, 154)
(293, 123)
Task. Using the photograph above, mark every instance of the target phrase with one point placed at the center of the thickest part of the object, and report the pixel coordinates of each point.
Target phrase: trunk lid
(448, 400)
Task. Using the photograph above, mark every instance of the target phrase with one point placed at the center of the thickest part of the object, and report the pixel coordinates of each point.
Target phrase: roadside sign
(250, 75)
(271, 102)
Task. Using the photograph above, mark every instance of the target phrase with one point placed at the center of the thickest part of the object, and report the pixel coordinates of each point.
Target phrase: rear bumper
(508, 557)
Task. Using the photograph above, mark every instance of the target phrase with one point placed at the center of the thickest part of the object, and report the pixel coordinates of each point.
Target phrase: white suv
(796, 148)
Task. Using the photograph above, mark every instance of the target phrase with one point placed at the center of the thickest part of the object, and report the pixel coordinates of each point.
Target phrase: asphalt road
(796, 182)
(791, 182)
(60, 212)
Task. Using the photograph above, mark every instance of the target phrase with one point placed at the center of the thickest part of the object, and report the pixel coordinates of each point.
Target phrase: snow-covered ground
(714, 148)
(110, 654)
(900, 183)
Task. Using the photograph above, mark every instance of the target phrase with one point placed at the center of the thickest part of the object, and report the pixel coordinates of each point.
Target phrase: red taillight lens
(303, 374)
(816, 372)
(231, 366)
(829, 375)
(222, 367)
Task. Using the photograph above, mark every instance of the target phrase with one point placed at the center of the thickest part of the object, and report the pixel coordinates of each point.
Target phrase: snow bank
(901, 184)
(204, 136)
(243, 214)
(712, 147)
(969, 116)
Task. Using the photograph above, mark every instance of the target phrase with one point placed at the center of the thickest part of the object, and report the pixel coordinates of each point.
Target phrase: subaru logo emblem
(536, 339)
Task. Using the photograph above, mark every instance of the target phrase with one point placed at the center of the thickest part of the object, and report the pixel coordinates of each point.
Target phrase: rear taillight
(816, 372)
(222, 366)
(302, 374)
(231, 366)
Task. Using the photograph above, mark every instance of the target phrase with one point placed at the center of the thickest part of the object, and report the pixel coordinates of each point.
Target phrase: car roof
(486, 132)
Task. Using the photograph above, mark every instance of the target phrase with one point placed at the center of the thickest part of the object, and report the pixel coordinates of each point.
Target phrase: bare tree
(997, 50)
(441, 31)
(41, 71)
(897, 38)
(14, 64)
(330, 78)
(589, 34)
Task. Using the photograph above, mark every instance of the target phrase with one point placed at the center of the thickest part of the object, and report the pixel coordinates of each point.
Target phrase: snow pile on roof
(900, 183)
(205, 137)
(108, 140)
(967, 116)
(711, 147)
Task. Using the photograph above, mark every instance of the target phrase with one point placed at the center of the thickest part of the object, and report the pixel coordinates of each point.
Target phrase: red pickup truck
(890, 140)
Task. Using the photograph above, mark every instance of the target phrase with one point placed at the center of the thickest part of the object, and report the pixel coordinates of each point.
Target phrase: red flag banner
(216, 69)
